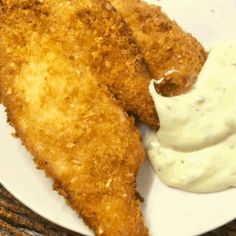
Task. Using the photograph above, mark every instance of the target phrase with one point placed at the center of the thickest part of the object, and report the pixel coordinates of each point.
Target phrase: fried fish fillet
(115, 59)
(76, 132)
(168, 50)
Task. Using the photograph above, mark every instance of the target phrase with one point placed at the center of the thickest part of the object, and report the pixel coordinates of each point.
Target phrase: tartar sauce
(195, 148)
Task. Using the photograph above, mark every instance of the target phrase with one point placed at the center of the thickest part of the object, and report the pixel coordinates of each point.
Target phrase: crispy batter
(76, 132)
(109, 50)
(116, 60)
(164, 44)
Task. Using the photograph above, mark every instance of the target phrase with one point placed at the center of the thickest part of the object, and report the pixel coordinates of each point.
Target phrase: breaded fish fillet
(116, 60)
(76, 132)
(169, 51)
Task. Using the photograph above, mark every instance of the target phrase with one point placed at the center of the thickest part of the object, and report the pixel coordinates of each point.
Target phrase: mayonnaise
(195, 148)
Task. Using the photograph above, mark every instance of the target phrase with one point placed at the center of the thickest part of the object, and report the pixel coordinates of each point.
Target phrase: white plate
(167, 211)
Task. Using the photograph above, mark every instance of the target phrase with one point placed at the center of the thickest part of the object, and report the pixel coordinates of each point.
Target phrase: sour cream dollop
(195, 148)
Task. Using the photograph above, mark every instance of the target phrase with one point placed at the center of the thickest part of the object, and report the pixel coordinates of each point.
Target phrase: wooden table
(17, 220)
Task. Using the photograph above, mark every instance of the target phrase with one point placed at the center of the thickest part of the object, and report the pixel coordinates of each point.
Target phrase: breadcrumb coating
(116, 60)
(111, 53)
(168, 50)
(72, 126)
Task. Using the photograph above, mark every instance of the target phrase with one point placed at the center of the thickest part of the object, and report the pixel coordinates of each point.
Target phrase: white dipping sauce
(195, 148)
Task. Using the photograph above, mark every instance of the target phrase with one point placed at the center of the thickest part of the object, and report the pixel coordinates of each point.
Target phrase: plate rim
(44, 216)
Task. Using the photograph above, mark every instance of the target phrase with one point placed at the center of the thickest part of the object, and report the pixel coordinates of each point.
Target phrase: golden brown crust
(112, 55)
(164, 44)
(116, 60)
(76, 132)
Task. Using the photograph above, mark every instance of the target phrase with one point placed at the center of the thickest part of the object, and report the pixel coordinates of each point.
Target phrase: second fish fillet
(168, 50)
